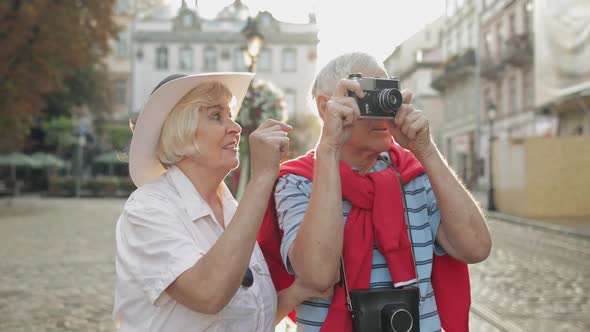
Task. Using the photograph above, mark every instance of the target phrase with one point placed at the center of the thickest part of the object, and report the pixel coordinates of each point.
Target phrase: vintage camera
(386, 310)
(396, 317)
(382, 96)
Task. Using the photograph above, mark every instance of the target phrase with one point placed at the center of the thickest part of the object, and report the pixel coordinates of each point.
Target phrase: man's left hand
(411, 130)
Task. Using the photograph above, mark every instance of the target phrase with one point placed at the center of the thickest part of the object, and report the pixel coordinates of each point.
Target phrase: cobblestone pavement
(57, 272)
(534, 280)
(57, 264)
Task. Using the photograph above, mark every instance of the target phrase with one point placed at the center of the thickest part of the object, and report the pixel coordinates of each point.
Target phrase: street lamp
(251, 52)
(254, 43)
(491, 118)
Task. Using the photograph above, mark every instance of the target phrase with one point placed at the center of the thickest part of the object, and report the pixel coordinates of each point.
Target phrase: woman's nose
(234, 127)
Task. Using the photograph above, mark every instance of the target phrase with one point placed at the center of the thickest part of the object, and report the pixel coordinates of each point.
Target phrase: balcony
(456, 68)
(518, 50)
(490, 68)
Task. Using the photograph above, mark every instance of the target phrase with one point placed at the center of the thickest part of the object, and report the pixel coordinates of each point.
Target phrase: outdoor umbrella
(14, 160)
(47, 160)
(111, 158)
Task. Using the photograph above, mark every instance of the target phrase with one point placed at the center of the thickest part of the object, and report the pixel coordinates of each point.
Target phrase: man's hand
(411, 130)
(340, 114)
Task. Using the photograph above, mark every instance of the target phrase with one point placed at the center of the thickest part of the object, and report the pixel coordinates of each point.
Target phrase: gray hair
(326, 80)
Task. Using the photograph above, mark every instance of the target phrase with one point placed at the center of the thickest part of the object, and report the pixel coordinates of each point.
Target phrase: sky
(372, 26)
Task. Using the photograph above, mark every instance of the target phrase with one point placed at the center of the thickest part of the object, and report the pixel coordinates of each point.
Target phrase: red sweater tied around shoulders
(376, 216)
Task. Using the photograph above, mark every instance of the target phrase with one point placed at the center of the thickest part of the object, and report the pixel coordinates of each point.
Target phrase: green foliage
(86, 86)
(262, 101)
(44, 43)
(58, 133)
(117, 135)
(307, 129)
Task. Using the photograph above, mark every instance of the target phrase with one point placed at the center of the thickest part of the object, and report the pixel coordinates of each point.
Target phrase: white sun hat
(144, 166)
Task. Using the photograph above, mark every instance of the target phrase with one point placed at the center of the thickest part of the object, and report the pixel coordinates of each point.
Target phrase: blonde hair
(178, 139)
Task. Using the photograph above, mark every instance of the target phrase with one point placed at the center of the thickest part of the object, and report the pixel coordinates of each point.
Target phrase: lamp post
(491, 118)
(81, 142)
(254, 42)
(251, 52)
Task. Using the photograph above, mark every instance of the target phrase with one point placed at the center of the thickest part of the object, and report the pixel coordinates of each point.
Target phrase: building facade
(458, 84)
(119, 62)
(508, 76)
(416, 62)
(169, 41)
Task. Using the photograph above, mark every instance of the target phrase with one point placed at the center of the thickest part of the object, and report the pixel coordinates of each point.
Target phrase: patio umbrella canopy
(47, 160)
(16, 159)
(112, 157)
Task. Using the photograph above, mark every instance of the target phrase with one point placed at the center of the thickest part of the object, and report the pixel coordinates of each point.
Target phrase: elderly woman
(187, 258)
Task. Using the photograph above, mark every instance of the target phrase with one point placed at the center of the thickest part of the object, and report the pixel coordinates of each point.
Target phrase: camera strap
(343, 281)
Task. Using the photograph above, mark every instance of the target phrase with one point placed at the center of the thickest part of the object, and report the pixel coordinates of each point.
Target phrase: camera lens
(389, 100)
(401, 321)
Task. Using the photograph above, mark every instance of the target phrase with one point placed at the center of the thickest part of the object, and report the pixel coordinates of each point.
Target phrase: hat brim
(144, 166)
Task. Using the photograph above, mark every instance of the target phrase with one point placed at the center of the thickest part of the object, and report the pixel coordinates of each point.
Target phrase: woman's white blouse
(165, 228)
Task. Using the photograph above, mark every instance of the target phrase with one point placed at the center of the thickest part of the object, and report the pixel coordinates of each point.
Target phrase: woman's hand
(411, 130)
(269, 144)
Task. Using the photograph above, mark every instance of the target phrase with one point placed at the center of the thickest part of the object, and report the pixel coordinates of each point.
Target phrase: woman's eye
(216, 116)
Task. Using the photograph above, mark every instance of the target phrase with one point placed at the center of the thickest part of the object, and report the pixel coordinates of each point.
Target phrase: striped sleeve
(433, 214)
(292, 194)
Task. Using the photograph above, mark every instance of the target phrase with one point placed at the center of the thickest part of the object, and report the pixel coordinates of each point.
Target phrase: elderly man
(356, 196)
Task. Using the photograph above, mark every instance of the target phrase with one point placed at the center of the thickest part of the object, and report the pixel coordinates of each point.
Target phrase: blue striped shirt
(292, 195)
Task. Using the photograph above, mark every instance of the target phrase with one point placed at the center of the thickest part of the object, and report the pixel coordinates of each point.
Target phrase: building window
(513, 95)
(162, 57)
(210, 59)
(265, 60)
(290, 102)
(185, 58)
(528, 12)
(488, 44)
(451, 8)
(528, 88)
(187, 20)
(499, 40)
(469, 32)
(122, 6)
(289, 60)
(120, 92)
(487, 98)
(449, 47)
(419, 56)
(122, 47)
(238, 60)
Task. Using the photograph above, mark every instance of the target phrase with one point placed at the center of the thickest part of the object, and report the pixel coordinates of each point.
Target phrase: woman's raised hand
(269, 144)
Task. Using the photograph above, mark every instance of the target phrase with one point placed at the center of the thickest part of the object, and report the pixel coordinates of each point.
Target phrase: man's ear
(321, 103)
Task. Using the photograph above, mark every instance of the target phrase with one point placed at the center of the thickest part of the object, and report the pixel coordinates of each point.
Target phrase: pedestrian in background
(187, 258)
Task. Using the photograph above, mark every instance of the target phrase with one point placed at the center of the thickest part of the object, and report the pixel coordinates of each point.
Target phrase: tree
(262, 101)
(58, 134)
(307, 129)
(42, 45)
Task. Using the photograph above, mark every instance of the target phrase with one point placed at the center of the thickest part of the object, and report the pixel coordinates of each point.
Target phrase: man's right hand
(340, 114)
